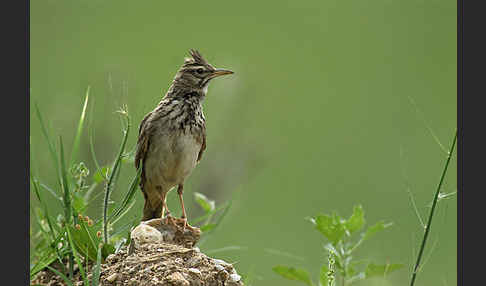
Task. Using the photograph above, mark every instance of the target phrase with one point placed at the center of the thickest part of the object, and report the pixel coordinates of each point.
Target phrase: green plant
(70, 237)
(208, 222)
(341, 249)
(432, 211)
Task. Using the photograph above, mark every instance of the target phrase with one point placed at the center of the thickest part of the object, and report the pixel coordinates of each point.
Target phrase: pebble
(219, 267)
(220, 262)
(235, 277)
(111, 257)
(194, 270)
(112, 277)
(177, 279)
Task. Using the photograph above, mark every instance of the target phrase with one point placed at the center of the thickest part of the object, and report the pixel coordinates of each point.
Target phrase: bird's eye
(200, 71)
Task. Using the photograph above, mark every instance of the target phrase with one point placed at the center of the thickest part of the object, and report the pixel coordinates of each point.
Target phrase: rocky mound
(159, 255)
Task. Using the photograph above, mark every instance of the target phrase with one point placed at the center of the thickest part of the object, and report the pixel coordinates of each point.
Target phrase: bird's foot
(170, 220)
(186, 225)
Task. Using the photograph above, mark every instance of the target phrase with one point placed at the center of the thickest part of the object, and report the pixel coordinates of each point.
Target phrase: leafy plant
(69, 237)
(341, 248)
(208, 221)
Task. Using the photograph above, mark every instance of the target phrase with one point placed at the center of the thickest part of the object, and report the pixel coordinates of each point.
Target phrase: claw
(170, 220)
(186, 225)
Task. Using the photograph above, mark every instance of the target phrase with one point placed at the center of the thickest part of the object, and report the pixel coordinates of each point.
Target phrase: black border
(471, 65)
(15, 118)
(460, 26)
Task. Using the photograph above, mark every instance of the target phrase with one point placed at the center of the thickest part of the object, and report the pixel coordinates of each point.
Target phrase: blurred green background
(317, 118)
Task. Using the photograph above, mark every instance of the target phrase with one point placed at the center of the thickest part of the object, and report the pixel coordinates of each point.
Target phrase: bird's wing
(203, 146)
(143, 145)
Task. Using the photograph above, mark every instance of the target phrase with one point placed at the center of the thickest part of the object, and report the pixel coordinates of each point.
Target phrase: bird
(172, 137)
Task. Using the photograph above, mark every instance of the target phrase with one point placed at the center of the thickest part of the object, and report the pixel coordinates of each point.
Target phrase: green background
(318, 116)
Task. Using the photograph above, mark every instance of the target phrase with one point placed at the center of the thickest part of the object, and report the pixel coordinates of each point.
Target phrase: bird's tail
(153, 204)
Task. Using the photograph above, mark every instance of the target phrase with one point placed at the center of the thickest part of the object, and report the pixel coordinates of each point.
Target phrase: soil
(156, 264)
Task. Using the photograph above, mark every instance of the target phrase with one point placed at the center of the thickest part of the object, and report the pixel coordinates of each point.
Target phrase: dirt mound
(167, 264)
(156, 264)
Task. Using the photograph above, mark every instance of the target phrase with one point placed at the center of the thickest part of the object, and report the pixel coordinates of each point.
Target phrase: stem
(114, 171)
(431, 215)
(71, 265)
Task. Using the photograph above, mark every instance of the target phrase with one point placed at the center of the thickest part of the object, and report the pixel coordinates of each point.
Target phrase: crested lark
(172, 137)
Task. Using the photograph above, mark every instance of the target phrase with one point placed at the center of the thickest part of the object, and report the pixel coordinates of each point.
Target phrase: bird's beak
(220, 72)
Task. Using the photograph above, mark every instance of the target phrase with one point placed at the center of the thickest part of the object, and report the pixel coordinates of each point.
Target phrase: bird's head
(196, 73)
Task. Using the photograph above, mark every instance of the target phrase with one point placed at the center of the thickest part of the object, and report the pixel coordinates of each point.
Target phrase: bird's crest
(196, 59)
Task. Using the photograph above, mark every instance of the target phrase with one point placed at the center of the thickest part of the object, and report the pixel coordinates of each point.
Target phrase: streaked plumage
(172, 137)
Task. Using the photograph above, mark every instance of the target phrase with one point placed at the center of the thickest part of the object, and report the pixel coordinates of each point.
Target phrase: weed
(341, 248)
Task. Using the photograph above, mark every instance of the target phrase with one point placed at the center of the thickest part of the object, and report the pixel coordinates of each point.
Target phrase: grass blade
(49, 257)
(68, 282)
(93, 154)
(76, 257)
(205, 216)
(51, 191)
(48, 140)
(35, 183)
(130, 195)
(113, 173)
(65, 186)
(431, 214)
(77, 139)
(97, 268)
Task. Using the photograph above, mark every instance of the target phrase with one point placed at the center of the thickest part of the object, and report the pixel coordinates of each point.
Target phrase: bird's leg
(180, 190)
(168, 218)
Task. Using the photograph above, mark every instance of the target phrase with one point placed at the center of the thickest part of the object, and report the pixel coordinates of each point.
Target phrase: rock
(177, 279)
(194, 270)
(144, 234)
(221, 262)
(235, 277)
(112, 277)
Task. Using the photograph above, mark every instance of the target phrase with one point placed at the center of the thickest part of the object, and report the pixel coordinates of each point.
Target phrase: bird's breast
(172, 158)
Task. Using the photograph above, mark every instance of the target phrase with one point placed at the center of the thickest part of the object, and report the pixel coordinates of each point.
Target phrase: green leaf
(207, 204)
(111, 180)
(48, 257)
(218, 221)
(208, 227)
(372, 230)
(79, 203)
(129, 196)
(330, 227)
(65, 186)
(107, 249)
(380, 270)
(323, 275)
(356, 221)
(79, 131)
(85, 239)
(68, 282)
(97, 268)
(48, 140)
(292, 273)
(101, 174)
(76, 257)
(223, 207)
